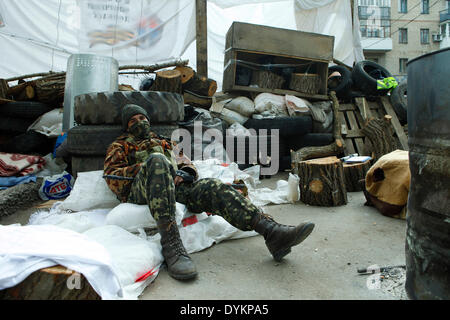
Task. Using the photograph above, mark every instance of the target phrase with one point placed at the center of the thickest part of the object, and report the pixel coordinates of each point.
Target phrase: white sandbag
(132, 257)
(272, 103)
(242, 105)
(77, 221)
(49, 124)
(133, 217)
(231, 117)
(90, 191)
(293, 194)
(297, 106)
(238, 130)
(205, 233)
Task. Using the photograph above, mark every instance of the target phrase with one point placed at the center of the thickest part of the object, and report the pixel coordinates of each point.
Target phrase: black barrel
(428, 219)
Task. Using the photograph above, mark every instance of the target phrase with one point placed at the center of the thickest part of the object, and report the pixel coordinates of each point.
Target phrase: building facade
(396, 31)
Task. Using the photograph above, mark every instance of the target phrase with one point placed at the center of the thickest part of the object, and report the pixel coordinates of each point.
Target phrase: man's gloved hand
(186, 176)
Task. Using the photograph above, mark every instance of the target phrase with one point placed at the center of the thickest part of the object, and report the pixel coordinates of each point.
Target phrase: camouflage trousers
(154, 186)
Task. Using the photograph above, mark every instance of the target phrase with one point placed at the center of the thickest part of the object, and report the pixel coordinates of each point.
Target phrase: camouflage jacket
(125, 156)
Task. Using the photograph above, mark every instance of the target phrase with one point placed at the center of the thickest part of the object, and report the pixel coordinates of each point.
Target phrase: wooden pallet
(353, 117)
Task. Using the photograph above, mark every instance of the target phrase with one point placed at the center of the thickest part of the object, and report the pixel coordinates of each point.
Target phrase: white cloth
(25, 249)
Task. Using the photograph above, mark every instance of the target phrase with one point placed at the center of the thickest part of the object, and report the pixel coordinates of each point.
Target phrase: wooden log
(201, 86)
(322, 182)
(197, 101)
(125, 87)
(187, 73)
(4, 87)
(267, 79)
(55, 283)
(305, 82)
(51, 90)
(28, 93)
(353, 173)
(169, 81)
(335, 148)
(379, 137)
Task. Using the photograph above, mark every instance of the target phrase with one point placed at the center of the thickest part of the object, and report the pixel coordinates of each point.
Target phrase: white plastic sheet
(40, 35)
(25, 249)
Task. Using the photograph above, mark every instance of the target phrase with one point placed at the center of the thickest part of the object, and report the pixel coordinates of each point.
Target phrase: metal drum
(428, 219)
(87, 73)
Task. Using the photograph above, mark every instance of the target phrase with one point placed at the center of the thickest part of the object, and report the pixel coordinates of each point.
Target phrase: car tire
(365, 75)
(105, 107)
(399, 102)
(287, 126)
(24, 109)
(95, 139)
(345, 82)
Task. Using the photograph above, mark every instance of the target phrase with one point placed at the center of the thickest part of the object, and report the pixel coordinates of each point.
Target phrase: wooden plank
(277, 41)
(395, 123)
(347, 107)
(3, 101)
(363, 107)
(354, 125)
(202, 38)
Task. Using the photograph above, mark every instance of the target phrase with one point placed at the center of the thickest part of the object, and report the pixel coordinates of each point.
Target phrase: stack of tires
(290, 130)
(15, 119)
(98, 116)
(361, 81)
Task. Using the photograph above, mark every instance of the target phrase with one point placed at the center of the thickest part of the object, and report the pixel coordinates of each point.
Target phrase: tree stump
(267, 79)
(27, 94)
(353, 173)
(169, 81)
(322, 182)
(187, 73)
(379, 137)
(305, 82)
(55, 283)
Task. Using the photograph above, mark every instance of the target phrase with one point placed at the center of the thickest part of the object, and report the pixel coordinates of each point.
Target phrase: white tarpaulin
(39, 36)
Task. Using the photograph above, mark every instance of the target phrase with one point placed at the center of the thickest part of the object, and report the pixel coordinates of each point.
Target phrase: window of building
(424, 36)
(443, 29)
(403, 6)
(402, 35)
(426, 6)
(402, 65)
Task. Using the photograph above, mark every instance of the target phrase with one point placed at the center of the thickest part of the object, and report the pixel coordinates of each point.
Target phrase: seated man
(141, 168)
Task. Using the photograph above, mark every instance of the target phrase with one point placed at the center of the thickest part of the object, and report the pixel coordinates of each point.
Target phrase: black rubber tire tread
(399, 101)
(364, 81)
(288, 126)
(15, 125)
(345, 84)
(29, 142)
(309, 140)
(84, 164)
(282, 151)
(95, 139)
(105, 107)
(24, 109)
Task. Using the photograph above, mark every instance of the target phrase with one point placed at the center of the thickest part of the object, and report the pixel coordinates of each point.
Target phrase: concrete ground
(324, 266)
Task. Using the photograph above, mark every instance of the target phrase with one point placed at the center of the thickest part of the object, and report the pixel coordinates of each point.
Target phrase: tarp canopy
(39, 36)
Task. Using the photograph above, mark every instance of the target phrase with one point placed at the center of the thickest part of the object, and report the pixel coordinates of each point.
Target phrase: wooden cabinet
(267, 59)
